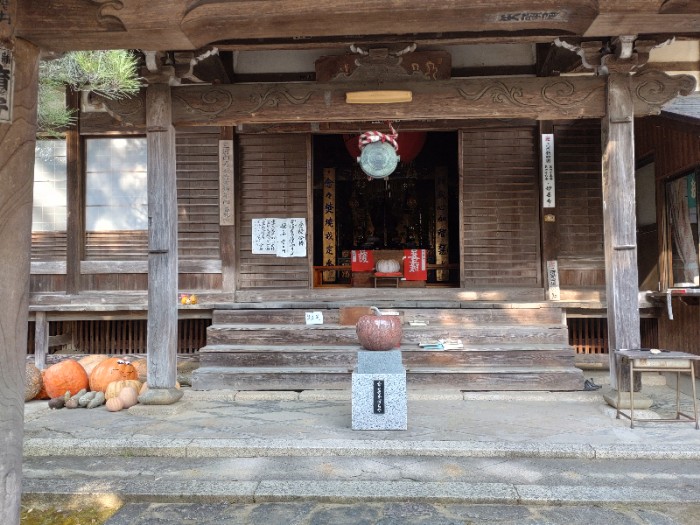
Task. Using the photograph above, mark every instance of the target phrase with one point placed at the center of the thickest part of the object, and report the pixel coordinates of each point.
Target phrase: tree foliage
(113, 74)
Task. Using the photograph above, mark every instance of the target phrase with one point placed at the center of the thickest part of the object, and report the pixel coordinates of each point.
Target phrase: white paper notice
(264, 236)
(314, 317)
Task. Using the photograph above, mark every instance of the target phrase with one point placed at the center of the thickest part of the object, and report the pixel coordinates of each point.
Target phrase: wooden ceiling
(61, 25)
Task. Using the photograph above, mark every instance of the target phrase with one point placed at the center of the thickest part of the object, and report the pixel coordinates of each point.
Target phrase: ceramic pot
(379, 332)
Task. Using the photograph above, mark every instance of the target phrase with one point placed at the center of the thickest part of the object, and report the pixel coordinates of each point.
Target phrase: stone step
(509, 314)
(346, 355)
(284, 334)
(149, 489)
(466, 378)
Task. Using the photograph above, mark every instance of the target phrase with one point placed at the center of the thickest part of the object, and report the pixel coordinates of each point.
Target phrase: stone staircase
(507, 346)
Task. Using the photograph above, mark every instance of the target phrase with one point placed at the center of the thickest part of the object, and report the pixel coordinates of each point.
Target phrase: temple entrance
(414, 212)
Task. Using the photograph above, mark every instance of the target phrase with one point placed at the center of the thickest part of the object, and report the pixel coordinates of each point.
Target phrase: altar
(389, 268)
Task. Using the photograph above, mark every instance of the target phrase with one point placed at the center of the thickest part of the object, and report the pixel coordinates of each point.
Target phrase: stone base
(640, 402)
(160, 396)
(379, 392)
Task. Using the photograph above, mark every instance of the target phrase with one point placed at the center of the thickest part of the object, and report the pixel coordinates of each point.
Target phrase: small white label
(314, 317)
(553, 280)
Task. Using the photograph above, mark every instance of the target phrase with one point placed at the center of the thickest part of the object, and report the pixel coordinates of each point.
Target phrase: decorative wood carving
(652, 89)
(513, 98)
(517, 97)
(560, 93)
(109, 22)
(420, 65)
(680, 7)
(129, 111)
(273, 96)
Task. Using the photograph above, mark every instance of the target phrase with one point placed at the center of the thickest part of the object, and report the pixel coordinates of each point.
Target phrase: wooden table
(642, 360)
(387, 278)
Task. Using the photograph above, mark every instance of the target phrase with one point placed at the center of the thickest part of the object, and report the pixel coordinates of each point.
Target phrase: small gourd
(72, 403)
(97, 401)
(86, 398)
(57, 403)
(115, 387)
(128, 396)
(79, 394)
(114, 405)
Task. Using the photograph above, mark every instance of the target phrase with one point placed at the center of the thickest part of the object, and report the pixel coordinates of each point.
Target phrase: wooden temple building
(544, 203)
(234, 177)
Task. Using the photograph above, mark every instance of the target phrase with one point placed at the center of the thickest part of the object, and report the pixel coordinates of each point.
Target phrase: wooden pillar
(550, 231)
(17, 142)
(619, 221)
(41, 339)
(75, 190)
(162, 249)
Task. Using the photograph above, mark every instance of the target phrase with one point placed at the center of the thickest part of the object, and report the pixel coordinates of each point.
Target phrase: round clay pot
(379, 332)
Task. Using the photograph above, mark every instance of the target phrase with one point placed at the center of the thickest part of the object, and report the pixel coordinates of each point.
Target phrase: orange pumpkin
(66, 376)
(89, 362)
(42, 393)
(112, 369)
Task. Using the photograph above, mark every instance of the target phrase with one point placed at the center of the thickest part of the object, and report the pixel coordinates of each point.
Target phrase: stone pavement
(525, 454)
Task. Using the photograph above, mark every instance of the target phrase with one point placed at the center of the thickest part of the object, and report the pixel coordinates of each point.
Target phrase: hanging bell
(378, 160)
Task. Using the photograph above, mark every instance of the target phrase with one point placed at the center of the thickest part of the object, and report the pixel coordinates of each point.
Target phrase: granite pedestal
(379, 392)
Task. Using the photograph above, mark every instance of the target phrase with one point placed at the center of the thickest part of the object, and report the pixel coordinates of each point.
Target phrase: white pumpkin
(387, 266)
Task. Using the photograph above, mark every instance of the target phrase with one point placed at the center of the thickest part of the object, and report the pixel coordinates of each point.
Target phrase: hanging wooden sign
(329, 231)
(548, 200)
(442, 245)
(226, 195)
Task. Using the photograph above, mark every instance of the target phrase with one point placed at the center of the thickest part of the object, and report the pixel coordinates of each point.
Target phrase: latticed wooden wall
(122, 336)
(589, 335)
(501, 240)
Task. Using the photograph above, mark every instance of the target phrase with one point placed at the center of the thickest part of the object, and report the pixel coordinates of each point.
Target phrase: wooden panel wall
(197, 152)
(273, 183)
(127, 245)
(683, 333)
(674, 145)
(501, 244)
(49, 246)
(577, 153)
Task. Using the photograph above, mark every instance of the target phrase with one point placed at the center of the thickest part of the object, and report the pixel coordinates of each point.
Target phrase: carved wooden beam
(560, 98)
(519, 97)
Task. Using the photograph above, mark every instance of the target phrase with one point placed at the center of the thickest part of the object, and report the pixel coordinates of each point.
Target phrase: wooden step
(345, 356)
(285, 334)
(510, 314)
(334, 378)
